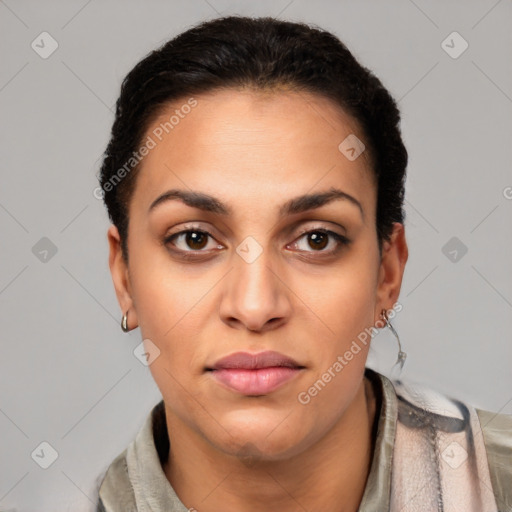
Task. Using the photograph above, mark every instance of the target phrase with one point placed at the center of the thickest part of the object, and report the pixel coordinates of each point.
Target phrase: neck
(331, 475)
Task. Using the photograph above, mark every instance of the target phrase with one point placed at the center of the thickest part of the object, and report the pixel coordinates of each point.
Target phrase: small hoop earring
(396, 370)
(124, 323)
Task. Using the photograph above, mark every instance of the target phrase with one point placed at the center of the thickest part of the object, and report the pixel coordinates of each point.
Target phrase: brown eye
(196, 239)
(318, 240)
(190, 240)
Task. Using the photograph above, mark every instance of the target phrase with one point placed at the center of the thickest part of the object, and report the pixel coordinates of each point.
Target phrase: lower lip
(255, 382)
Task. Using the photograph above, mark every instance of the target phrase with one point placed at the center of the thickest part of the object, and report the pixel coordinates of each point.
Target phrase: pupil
(195, 238)
(319, 240)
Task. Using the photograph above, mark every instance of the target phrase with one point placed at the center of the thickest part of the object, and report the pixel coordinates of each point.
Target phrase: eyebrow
(299, 204)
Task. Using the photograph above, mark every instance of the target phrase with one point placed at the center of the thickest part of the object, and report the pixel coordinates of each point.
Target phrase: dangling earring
(400, 361)
(124, 322)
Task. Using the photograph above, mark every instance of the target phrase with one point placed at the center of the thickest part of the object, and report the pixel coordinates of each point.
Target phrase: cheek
(340, 357)
(170, 319)
(169, 299)
(344, 303)
(350, 309)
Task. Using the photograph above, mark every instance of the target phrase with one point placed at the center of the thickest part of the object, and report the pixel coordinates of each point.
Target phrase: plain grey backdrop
(68, 375)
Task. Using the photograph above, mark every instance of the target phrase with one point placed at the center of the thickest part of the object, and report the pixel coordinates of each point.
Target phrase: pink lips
(255, 374)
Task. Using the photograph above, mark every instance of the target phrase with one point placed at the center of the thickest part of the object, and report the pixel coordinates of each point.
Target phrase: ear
(392, 265)
(120, 276)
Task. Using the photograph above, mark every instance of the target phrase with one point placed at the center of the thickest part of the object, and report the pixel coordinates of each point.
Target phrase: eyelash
(342, 240)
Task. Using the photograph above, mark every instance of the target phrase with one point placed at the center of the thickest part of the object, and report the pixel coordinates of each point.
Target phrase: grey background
(68, 375)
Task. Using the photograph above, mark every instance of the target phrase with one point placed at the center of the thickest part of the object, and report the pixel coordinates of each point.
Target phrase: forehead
(269, 143)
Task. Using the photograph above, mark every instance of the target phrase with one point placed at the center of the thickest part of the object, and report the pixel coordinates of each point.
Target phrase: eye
(192, 240)
(320, 238)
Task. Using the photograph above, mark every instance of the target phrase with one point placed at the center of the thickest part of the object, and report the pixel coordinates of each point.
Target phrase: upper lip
(247, 361)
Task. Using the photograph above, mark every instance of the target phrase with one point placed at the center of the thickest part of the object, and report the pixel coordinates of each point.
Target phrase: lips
(255, 374)
(246, 361)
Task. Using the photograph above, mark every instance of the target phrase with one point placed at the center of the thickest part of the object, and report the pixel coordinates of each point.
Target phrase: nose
(256, 297)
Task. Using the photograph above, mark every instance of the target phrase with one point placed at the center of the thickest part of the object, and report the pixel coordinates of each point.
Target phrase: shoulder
(497, 433)
(122, 480)
(116, 491)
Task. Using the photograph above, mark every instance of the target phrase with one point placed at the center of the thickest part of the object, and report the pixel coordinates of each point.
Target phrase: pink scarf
(439, 460)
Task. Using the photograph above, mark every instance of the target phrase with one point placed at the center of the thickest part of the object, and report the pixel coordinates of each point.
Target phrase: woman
(255, 184)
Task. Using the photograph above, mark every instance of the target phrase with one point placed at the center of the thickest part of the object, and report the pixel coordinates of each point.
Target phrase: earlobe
(120, 275)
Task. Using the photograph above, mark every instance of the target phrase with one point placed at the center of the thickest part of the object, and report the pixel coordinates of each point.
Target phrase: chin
(260, 436)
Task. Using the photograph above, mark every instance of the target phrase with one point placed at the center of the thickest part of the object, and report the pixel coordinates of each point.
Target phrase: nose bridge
(254, 278)
(255, 294)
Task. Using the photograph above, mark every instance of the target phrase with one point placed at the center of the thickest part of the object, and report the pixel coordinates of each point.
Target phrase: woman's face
(261, 171)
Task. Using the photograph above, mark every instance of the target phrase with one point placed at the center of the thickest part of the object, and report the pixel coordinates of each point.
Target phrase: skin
(254, 151)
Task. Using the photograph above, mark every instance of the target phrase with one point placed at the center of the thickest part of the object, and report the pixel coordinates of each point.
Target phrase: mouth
(254, 374)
